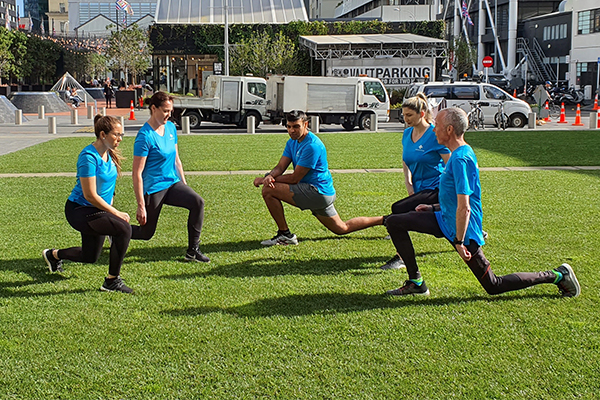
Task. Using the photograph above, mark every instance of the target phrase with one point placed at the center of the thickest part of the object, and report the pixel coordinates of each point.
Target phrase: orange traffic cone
(515, 93)
(547, 119)
(578, 117)
(596, 103)
(131, 113)
(563, 117)
(598, 120)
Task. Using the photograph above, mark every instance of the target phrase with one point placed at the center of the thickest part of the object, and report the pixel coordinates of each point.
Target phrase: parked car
(462, 94)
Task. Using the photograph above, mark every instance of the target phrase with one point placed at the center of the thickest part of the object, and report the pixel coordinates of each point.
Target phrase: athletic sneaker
(196, 255)
(409, 288)
(115, 285)
(568, 286)
(54, 265)
(280, 239)
(394, 263)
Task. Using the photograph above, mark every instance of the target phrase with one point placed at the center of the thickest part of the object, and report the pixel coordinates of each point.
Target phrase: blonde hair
(418, 104)
(106, 124)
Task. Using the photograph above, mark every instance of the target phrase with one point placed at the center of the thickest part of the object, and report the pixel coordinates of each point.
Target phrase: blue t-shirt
(160, 171)
(90, 164)
(311, 153)
(423, 159)
(461, 176)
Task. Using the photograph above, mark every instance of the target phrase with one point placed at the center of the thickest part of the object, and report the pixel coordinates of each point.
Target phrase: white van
(462, 94)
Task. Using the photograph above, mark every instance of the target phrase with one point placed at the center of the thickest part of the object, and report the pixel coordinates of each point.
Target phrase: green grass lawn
(307, 321)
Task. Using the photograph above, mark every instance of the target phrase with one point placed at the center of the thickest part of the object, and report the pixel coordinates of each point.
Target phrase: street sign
(487, 61)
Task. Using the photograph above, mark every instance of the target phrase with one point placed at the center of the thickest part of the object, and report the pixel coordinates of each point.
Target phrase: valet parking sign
(389, 75)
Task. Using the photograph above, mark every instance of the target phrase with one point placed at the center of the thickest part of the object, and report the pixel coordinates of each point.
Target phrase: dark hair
(158, 99)
(106, 124)
(296, 115)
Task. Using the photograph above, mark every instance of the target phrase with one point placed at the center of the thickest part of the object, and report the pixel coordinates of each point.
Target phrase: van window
(258, 89)
(465, 92)
(494, 93)
(436, 91)
(375, 89)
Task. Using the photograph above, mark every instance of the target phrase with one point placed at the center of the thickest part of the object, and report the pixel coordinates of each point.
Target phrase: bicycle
(501, 118)
(475, 116)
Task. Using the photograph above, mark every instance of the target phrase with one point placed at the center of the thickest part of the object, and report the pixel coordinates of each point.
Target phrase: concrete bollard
(532, 120)
(18, 117)
(74, 117)
(90, 112)
(314, 124)
(122, 121)
(593, 120)
(251, 124)
(103, 111)
(52, 125)
(374, 126)
(185, 125)
(41, 112)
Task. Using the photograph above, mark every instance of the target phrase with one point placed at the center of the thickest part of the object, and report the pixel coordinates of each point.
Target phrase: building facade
(8, 13)
(585, 49)
(83, 16)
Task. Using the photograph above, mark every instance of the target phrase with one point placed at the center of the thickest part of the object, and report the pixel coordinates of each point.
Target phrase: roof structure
(329, 47)
(239, 11)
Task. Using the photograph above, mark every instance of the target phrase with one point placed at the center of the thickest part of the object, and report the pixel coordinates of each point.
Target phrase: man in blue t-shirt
(308, 187)
(458, 218)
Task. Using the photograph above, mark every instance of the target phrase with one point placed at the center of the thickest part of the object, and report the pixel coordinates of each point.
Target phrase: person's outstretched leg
(339, 227)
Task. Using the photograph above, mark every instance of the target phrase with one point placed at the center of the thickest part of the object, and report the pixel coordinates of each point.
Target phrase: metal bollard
(18, 117)
(250, 124)
(374, 123)
(52, 125)
(532, 120)
(185, 125)
(314, 124)
(90, 112)
(103, 111)
(41, 112)
(122, 121)
(74, 117)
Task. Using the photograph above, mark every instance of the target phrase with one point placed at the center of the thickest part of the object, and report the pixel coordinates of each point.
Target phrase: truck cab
(226, 100)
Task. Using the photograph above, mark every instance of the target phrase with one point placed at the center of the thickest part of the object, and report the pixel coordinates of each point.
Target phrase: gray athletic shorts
(307, 197)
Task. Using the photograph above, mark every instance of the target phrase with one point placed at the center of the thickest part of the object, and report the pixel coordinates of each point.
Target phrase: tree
(97, 64)
(129, 50)
(261, 54)
(464, 56)
(6, 56)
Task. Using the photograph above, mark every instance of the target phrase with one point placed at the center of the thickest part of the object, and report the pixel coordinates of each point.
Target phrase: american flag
(465, 12)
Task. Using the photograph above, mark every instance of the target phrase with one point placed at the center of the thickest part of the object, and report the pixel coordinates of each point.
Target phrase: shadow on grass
(333, 303)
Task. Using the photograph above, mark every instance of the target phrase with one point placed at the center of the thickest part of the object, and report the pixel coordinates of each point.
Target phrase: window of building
(62, 7)
(588, 21)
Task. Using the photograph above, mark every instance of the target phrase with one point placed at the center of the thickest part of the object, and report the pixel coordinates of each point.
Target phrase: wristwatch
(456, 241)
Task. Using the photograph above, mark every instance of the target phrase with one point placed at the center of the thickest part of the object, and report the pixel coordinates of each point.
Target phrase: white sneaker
(280, 239)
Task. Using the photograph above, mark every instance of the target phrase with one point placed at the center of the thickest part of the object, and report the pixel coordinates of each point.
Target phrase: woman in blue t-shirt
(89, 208)
(423, 160)
(158, 177)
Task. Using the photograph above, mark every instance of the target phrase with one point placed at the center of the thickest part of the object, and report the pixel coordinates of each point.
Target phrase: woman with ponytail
(89, 208)
(423, 160)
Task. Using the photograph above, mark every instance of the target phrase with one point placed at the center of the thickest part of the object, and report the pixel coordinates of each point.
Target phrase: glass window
(465, 92)
(375, 89)
(492, 92)
(437, 91)
(583, 22)
(258, 89)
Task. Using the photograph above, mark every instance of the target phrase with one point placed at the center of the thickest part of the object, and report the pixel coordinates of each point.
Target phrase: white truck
(226, 100)
(349, 101)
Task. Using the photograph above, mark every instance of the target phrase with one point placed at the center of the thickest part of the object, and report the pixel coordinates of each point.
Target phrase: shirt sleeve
(86, 166)
(287, 151)
(461, 177)
(141, 146)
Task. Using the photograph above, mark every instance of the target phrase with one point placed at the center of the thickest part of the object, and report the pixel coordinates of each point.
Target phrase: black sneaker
(410, 288)
(568, 286)
(54, 265)
(394, 263)
(115, 285)
(196, 255)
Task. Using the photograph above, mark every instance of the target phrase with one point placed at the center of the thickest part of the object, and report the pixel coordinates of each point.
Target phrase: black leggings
(94, 225)
(178, 195)
(425, 222)
(427, 196)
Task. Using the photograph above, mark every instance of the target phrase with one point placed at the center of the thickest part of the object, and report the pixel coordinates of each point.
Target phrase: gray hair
(457, 118)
